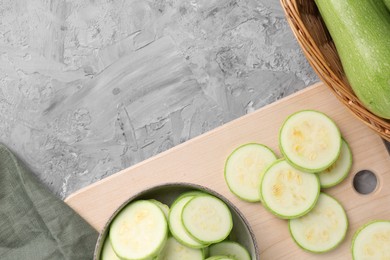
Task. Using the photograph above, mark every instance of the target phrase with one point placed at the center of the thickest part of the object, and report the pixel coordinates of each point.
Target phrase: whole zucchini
(360, 30)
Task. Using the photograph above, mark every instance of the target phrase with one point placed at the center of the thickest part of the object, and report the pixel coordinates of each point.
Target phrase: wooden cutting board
(201, 161)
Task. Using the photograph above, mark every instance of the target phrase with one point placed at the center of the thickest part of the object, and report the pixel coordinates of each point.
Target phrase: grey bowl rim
(231, 205)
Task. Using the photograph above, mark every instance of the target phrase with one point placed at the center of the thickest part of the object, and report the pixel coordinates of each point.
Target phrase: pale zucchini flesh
(323, 228)
(288, 192)
(162, 206)
(244, 169)
(139, 231)
(107, 252)
(231, 249)
(176, 224)
(220, 257)
(174, 250)
(207, 219)
(339, 170)
(372, 241)
(310, 140)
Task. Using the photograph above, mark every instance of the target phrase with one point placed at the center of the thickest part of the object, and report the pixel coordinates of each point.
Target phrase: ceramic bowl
(167, 193)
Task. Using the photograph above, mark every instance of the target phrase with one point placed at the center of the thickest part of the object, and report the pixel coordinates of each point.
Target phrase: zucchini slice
(231, 249)
(244, 169)
(310, 140)
(372, 241)
(288, 192)
(339, 170)
(107, 252)
(323, 228)
(162, 206)
(175, 221)
(174, 250)
(207, 219)
(139, 231)
(220, 257)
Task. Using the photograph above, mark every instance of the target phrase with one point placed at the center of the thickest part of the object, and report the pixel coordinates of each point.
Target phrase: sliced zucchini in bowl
(220, 257)
(174, 250)
(176, 224)
(107, 252)
(231, 249)
(139, 231)
(168, 194)
(207, 219)
(162, 206)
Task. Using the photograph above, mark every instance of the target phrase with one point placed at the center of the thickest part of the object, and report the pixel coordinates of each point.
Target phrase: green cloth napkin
(34, 223)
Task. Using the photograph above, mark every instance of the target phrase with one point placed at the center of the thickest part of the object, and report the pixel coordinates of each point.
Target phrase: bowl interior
(167, 193)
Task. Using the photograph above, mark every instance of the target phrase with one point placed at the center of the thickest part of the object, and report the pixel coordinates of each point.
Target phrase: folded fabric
(34, 223)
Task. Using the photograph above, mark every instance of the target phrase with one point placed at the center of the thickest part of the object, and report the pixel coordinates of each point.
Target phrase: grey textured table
(88, 88)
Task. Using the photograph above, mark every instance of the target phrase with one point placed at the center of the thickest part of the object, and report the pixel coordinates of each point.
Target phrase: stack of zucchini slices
(315, 156)
(196, 226)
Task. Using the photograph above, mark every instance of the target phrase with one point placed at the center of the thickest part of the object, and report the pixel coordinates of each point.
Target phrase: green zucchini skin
(361, 33)
(387, 3)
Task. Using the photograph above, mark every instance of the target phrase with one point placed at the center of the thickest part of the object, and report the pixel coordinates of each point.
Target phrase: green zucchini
(361, 33)
(387, 3)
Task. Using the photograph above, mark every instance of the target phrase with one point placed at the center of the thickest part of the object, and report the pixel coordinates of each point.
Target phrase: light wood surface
(201, 161)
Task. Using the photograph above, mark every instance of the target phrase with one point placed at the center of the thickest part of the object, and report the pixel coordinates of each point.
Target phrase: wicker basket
(311, 33)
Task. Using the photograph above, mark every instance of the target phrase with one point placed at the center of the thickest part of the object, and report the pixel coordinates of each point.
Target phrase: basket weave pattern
(318, 47)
